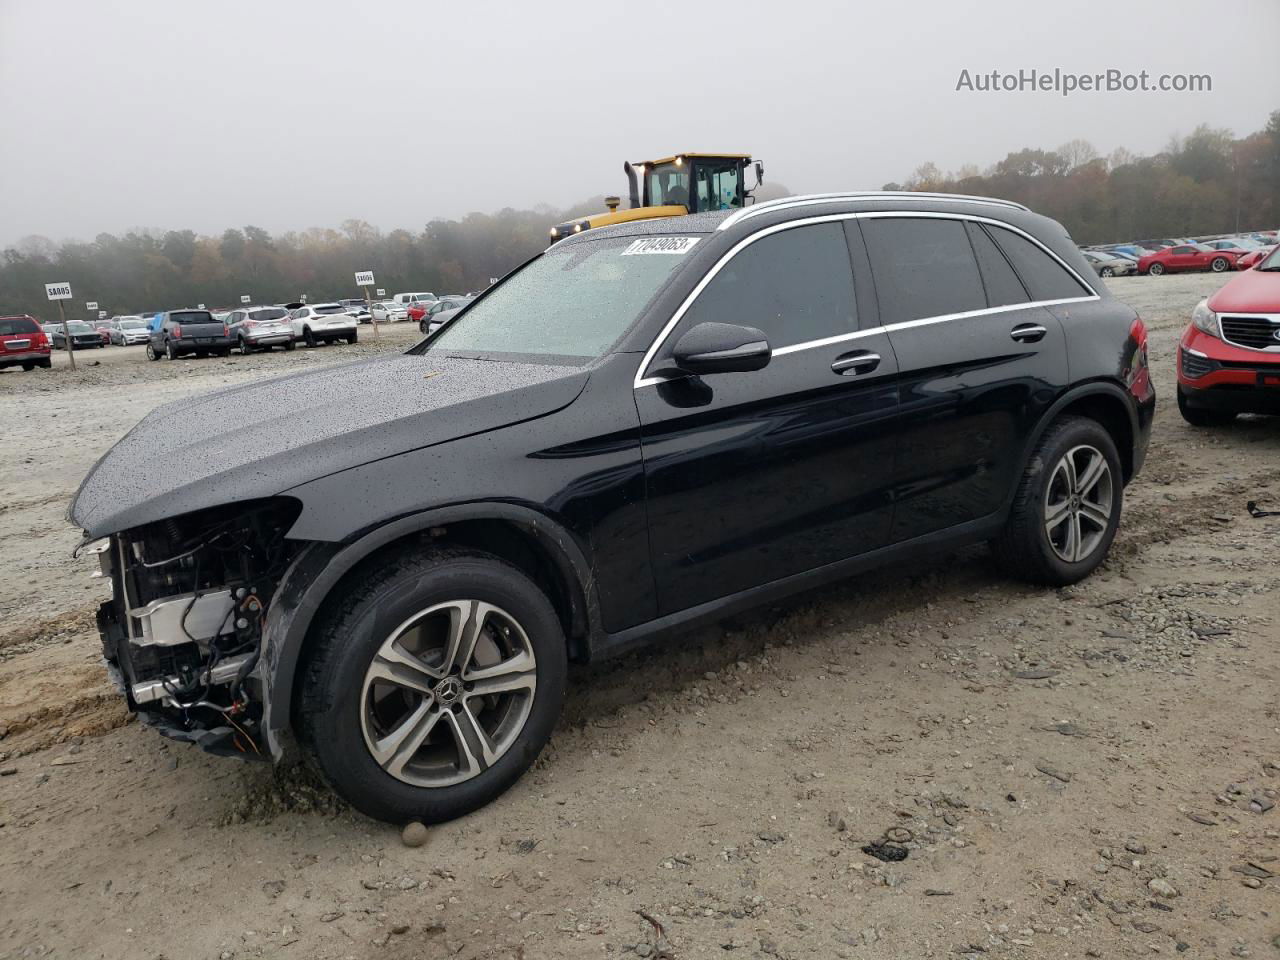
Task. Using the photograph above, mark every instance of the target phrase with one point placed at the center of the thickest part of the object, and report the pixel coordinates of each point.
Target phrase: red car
(418, 310)
(1253, 258)
(1186, 257)
(23, 344)
(1229, 357)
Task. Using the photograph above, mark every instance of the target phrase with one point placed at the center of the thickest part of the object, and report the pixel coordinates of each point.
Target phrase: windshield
(132, 325)
(1271, 261)
(270, 313)
(573, 301)
(79, 326)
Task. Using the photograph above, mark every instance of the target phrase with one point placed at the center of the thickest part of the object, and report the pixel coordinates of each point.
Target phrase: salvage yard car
(1186, 257)
(180, 333)
(83, 336)
(323, 323)
(388, 564)
(260, 328)
(23, 344)
(127, 331)
(1229, 356)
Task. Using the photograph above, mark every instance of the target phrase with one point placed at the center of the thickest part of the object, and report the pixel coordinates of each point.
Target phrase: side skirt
(625, 641)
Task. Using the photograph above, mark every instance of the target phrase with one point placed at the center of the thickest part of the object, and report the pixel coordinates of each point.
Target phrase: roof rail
(815, 198)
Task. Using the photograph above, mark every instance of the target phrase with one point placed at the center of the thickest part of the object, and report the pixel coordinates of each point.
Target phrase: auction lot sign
(57, 291)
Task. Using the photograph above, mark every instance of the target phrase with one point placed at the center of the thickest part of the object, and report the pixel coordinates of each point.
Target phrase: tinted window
(795, 285)
(922, 268)
(270, 313)
(1045, 277)
(192, 316)
(1182, 250)
(12, 325)
(575, 300)
(331, 308)
(1002, 284)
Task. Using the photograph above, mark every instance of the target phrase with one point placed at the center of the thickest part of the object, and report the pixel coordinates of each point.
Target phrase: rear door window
(923, 267)
(1044, 277)
(1002, 284)
(795, 285)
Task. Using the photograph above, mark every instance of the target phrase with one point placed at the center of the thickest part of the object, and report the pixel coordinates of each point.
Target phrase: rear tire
(446, 749)
(45, 364)
(1219, 264)
(290, 345)
(28, 367)
(308, 336)
(170, 351)
(1199, 416)
(1108, 272)
(243, 344)
(354, 338)
(1066, 509)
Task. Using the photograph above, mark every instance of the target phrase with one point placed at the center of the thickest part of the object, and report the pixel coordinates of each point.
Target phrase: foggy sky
(287, 114)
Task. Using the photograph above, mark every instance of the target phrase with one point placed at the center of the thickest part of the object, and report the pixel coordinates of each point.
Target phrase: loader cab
(695, 182)
(673, 186)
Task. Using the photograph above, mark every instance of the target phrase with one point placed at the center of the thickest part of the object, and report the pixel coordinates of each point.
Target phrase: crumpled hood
(262, 439)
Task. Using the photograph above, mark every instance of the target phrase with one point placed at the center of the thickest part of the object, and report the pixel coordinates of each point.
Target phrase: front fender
(320, 567)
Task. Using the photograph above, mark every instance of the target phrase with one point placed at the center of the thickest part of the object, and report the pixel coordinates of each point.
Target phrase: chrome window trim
(1272, 318)
(643, 381)
(809, 199)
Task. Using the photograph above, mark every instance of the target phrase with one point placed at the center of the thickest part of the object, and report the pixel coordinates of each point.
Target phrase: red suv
(1229, 358)
(23, 344)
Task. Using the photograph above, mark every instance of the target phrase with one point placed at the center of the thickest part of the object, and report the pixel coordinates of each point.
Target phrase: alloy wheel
(448, 693)
(1078, 503)
(1218, 265)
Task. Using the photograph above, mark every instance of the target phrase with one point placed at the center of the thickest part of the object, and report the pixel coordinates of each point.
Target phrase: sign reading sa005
(57, 291)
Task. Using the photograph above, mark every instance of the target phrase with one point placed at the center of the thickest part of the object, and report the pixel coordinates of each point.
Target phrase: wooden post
(66, 332)
(368, 305)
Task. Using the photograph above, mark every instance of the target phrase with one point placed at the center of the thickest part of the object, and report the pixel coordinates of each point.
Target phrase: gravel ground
(1089, 772)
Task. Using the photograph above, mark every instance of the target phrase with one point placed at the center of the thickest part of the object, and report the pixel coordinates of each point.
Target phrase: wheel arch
(522, 536)
(1103, 401)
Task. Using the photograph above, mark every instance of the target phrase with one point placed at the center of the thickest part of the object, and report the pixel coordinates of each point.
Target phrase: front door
(753, 477)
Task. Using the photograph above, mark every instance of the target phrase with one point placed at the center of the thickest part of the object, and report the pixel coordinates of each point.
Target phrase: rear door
(979, 360)
(752, 477)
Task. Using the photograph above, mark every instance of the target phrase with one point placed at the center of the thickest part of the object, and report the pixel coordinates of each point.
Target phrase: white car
(388, 311)
(318, 323)
(406, 300)
(128, 330)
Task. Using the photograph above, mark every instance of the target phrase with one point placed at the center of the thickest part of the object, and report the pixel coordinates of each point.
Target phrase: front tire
(1066, 509)
(1199, 416)
(1108, 272)
(1156, 269)
(151, 351)
(432, 684)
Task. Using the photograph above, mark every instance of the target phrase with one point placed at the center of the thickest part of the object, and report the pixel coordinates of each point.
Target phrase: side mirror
(722, 348)
(759, 173)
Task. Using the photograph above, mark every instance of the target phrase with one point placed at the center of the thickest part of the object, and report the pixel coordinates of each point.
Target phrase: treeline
(1208, 182)
(151, 270)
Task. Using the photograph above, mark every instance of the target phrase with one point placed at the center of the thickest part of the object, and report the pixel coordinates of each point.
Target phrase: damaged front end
(183, 632)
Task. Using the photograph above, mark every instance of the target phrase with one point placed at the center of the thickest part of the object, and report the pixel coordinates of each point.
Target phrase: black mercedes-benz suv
(642, 428)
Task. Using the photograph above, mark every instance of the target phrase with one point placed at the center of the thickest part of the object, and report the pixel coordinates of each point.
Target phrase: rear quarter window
(1045, 278)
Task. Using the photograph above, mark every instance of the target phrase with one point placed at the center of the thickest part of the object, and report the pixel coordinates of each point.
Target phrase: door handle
(1028, 332)
(855, 364)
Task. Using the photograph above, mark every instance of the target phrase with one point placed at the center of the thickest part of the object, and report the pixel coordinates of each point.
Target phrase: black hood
(263, 439)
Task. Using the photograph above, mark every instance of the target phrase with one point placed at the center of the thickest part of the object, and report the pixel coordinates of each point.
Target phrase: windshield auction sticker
(676, 245)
